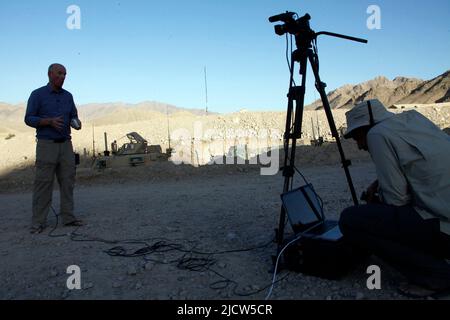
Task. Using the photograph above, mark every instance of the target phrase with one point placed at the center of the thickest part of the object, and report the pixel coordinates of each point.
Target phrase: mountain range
(104, 113)
(400, 90)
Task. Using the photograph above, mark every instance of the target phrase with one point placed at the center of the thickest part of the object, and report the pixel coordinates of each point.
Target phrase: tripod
(306, 41)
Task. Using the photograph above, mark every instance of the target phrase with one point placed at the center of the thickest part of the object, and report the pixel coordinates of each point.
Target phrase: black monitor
(302, 207)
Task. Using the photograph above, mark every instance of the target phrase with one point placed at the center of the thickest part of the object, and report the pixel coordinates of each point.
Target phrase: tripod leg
(326, 105)
(293, 132)
(287, 176)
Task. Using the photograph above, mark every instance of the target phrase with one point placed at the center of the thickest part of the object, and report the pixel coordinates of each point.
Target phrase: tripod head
(300, 28)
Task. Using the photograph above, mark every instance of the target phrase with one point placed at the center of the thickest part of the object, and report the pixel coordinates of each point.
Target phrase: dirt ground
(212, 209)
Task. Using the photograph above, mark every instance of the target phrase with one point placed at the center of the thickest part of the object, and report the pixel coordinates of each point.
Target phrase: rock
(231, 236)
(357, 286)
(132, 271)
(360, 296)
(255, 287)
(138, 286)
(182, 293)
(149, 265)
(88, 285)
(116, 285)
(329, 298)
(222, 265)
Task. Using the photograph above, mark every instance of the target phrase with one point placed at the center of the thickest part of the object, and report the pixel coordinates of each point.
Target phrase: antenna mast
(206, 91)
(168, 125)
(93, 142)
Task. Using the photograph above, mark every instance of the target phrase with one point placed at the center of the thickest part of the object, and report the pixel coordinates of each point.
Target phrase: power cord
(162, 245)
(279, 256)
(308, 183)
(191, 262)
(50, 234)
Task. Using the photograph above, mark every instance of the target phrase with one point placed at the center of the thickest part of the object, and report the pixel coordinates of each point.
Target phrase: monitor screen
(302, 207)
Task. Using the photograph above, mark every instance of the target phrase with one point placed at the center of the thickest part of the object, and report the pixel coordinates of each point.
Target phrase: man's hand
(75, 123)
(56, 123)
(372, 193)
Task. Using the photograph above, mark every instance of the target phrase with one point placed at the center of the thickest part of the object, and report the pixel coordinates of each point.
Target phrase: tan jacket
(412, 159)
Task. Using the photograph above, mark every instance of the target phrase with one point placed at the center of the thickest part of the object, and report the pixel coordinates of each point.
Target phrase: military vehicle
(133, 153)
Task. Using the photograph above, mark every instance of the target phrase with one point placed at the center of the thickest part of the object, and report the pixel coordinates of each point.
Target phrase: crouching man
(406, 219)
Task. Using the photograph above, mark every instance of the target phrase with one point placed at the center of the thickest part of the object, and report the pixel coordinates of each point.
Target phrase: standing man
(51, 110)
(407, 219)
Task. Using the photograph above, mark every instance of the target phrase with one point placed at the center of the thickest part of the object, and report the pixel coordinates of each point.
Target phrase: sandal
(75, 223)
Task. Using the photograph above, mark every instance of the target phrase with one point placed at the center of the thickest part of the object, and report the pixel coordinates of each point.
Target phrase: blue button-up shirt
(48, 103)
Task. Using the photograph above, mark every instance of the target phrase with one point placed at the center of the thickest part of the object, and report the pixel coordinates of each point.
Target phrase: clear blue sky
(132, 51)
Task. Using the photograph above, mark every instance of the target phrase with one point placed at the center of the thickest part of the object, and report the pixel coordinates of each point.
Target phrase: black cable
(292, 50)
(289, 49)
(187, 262)
(162, 246)
(287, 52)
(226, 282)
(50, 234)
(315, 193)
(191, 262)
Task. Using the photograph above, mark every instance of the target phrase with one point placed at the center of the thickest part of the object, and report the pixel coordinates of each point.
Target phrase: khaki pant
(53, 158)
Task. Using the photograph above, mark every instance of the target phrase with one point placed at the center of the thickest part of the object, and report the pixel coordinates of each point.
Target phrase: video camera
(291, 25)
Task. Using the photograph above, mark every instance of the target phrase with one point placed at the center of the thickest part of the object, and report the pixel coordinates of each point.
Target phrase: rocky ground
(227, 208)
